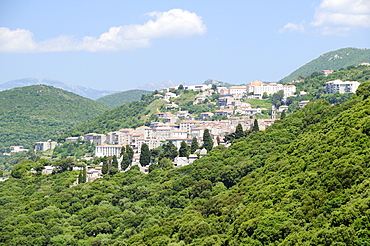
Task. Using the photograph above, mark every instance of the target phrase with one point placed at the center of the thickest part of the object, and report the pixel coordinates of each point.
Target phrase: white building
(17, 148)
(108, 150)
(341, 87)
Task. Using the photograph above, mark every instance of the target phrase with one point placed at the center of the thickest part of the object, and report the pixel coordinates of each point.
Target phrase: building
(327, 72)
(341, 86)
(301, 104)
(17, 148)
(43, 146)
(108, 150)
(238, 91)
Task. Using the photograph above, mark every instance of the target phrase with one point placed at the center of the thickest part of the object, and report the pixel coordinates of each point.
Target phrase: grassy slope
(123, 97)
(133, 114)
(332, 60)
(35, 113)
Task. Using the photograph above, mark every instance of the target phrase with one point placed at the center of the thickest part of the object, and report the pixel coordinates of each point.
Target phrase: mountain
(216, 82)
(303, 181)
(119, 98)
(331, 61)
(157, 86)
(79, 90)
(34, 113)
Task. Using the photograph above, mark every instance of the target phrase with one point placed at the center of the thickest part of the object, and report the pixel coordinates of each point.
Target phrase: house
(71, 139)
(283, 108)
(171, 106)
(183, 113)
(180, 161)
(327, 72)
(17, 148)
(301, 104)
(48, 169)
(205, 115)
(168, 95)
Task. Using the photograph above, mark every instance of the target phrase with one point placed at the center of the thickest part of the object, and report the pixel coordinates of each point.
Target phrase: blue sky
(121, 45)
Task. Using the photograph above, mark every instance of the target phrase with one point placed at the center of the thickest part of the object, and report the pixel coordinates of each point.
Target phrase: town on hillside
(179, 126)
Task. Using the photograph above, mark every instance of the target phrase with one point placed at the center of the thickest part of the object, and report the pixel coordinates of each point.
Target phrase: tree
(115, 162)
(283, 115)
(104, 168)
(123, 151)
(194, 145)
(239, 133)
(184, 150)
(170, 151)
(277, 97)
(364, 90)
(144, 155)
(207, 140)
(255, 126)
(181, 87)
(265, 95)
(130, 152)
(125, 161)
(214, 87)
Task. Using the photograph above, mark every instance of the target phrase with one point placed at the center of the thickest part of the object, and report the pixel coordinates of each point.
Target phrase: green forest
(119, 98)
(302, 181)
(35, 113)
(332, 60)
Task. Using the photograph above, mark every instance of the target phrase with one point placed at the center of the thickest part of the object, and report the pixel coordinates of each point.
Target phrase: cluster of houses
(254, 89)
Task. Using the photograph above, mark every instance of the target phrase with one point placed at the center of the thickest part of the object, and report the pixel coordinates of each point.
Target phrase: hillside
(79, 90)
(331, 61)
(133, 114)
(34, 113)
(303, 181)
(119, 98)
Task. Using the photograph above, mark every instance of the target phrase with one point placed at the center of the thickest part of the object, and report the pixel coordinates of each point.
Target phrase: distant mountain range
(79, 90)
(333, 60)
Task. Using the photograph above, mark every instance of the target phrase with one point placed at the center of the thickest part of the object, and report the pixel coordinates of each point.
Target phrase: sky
(122, 45)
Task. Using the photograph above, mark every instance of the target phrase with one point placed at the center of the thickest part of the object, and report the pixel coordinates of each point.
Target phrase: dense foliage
(332, 60)
(35, 113)
(119, 98)
(303, 181)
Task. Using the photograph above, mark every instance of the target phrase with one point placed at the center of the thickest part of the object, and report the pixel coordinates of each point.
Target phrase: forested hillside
(331, 61)
(35, 113)
(303, 181)
(314, 85)
(133, 114)
(119, 98)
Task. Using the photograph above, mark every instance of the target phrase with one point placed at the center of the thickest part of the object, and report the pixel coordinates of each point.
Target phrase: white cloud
(292, 27)
(175, 23)
(342, 15)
